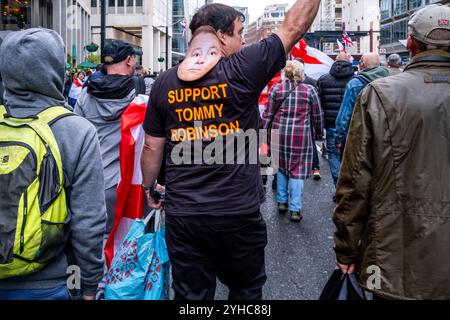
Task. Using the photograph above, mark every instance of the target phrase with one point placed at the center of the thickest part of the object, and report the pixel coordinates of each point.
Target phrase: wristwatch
(150, 188)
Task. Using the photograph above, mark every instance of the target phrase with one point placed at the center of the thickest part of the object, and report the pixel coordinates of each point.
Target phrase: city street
(299, 256)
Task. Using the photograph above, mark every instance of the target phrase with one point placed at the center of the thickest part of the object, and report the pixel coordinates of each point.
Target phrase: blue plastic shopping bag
(140, 267)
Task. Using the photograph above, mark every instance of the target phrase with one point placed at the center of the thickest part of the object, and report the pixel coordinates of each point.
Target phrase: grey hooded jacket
(105, 114)
(32, 64)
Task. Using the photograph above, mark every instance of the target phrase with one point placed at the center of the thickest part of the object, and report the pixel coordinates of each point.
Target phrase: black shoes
(282, 208)
(316, 174)
(296, 216)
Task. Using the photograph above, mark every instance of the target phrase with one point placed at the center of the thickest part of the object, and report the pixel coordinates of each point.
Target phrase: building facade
(395, 15)
(329, 16)
(266, 24)
(181, 21)
(145, 24)
(362, 15)
(245, 13)
(70, 18)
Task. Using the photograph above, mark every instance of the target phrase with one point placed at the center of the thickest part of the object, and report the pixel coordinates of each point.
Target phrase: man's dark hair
(203, 29)
(217, 15)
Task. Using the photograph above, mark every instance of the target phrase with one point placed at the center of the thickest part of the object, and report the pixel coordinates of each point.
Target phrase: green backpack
(33, 209)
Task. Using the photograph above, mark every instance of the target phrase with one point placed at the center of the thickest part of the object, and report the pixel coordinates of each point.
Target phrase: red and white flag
(130, 196)
(264, 97)
(317, 63)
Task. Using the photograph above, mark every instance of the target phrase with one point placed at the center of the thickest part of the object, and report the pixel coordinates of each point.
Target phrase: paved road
(299, 257)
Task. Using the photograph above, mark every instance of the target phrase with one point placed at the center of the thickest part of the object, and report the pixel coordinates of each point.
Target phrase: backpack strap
(52, 114)
(139, 84)
(3, 111)
(41, 125)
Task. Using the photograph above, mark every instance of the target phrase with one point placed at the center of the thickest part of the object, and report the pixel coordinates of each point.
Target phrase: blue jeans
(289, 188)
(57, 293)
(334, 155)
(72, 102)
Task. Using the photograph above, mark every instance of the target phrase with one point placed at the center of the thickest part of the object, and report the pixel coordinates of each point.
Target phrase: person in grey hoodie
(32, 64)
(102, 102)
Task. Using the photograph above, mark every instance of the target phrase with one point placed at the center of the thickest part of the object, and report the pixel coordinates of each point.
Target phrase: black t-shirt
(222, 104)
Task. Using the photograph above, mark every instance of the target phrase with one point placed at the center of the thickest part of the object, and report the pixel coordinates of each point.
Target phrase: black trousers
(229, 248)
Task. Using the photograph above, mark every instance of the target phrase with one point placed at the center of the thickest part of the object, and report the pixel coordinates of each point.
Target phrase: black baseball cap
(117, 51)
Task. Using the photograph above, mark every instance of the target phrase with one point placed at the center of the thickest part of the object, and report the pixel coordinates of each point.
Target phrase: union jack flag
(347, 40)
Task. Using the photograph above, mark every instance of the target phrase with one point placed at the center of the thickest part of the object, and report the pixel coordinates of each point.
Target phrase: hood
(114, 86)
(342, 69)
(113, 94)
(374, 73)
(32, 65)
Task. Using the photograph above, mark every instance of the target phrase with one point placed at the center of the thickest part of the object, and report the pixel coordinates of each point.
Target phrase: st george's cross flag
(317, 64)
(130, 195)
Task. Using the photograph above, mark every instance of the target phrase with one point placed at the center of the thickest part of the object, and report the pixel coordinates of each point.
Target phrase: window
(399, 7)
(386, 9)
(111, 3)
(93, 3)
(129, 3)
(14, 13)
(386, 34)
(120, 3)
(338, 13)
(399, 31)
(414, 4)
(138, 3)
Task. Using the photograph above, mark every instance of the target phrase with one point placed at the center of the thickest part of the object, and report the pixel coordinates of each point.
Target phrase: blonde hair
(294, 69)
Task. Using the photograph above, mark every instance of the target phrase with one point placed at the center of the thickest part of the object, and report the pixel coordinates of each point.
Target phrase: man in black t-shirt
(214, 226)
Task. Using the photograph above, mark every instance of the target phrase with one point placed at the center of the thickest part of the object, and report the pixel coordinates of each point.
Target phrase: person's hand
(152, 202)
(264, 149)
(88, 297)
(346, 268)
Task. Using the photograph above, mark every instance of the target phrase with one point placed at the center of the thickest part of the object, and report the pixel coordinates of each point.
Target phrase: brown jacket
(393, 193)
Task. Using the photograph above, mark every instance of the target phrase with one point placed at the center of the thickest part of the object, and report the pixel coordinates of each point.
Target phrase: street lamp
(102, 25)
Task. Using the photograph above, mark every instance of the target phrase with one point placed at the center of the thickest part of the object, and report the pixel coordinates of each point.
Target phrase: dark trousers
(229, 248)
(316, 165)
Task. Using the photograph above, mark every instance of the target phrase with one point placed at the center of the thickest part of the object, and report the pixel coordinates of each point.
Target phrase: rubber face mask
(203, 54)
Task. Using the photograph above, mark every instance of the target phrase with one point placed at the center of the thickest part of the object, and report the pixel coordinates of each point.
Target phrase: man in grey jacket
(32, 64)
(102, 102)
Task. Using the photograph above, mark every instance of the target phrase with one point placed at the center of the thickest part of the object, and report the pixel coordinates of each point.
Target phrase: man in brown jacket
(393, 212)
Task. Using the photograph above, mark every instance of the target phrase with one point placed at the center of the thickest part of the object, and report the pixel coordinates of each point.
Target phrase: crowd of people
(387, 142)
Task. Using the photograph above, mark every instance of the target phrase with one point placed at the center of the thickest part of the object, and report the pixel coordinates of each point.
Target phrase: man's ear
(129, 58)
(222, 36)
(410, 44)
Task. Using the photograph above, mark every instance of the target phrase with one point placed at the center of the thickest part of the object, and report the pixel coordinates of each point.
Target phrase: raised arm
(297, 22)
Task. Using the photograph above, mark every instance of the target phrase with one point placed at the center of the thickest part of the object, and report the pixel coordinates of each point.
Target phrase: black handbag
(342, 287)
